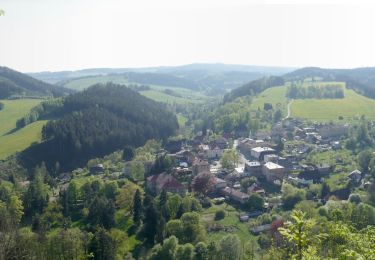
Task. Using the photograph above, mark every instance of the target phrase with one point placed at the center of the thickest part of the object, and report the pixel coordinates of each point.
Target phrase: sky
(55, 35)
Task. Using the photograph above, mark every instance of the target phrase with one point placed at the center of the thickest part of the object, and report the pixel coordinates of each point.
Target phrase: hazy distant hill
(211, 78)
(15, 83)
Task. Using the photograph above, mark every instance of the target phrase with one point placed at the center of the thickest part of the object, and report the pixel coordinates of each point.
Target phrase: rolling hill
(213, 79)
(98, 121)
(13, 83)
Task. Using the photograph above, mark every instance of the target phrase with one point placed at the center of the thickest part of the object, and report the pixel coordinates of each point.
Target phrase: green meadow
(12, 141)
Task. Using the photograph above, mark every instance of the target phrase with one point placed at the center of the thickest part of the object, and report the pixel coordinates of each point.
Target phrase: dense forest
(13, 83)
(99, 121)
(312, 91)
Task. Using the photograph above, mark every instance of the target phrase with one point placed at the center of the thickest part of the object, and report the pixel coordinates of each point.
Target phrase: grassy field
(351, 107)
(274, 95)
(11, 142)
(230, 222)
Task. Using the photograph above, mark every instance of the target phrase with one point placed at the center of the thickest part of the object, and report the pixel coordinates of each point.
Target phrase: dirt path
(289, 104)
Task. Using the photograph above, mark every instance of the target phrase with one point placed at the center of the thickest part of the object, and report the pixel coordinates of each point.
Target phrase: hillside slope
(15, 83)
(98, 121)
(12, 141)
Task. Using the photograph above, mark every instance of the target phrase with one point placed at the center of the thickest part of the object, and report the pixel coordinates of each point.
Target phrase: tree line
(311, 91)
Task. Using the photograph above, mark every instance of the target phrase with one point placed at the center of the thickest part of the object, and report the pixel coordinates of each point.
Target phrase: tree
(291, 195)
(36, 198)
(229, 159)
(277, 116)
(167, 251)
(185, 252)
(2, 12)
(230, 247)
(255, 202)
(201, 251)
(102, 212)
(299, 233)
(137, 208)
(364, 159)
(150, 223)
(203, 183)
(128, 153)
(267, 106)
(220, 214)
(326, 190)
(247, 182)
(102, 246)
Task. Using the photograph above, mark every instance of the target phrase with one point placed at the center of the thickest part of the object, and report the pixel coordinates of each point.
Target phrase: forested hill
(98, 121)
(362, 80)
(14, 83)
(254, 87)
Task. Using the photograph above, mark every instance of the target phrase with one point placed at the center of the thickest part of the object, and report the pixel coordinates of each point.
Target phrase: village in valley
(249, 173)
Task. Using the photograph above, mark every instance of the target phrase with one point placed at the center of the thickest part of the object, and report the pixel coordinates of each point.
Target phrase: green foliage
(128, 153)
(315, 91)
(230, 247)
(229, 159)
(255, 202)
(46, 109)
(137, 207)
(299, 234)
(291, 195)
(98, 121)
(220, 214)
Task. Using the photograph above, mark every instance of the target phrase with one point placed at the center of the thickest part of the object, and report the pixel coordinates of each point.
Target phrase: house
(212, 153)
(235, 195)
(183, 156)
(200, 165)
(220, 183)
(271, 158)
(246, 144)
(254, 168)
(239, 171)
(255, 188)
(259, 152)
(330, 131)
(97, 169)
(355, 175)
(164, 181)
(259, 229)
(221, 142)
(299, 181)
(273, 171)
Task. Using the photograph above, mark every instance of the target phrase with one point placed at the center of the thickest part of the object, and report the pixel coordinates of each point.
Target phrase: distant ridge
(14, 83)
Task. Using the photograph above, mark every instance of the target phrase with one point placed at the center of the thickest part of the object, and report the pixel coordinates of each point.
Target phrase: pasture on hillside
(12, 140)
(351, 107)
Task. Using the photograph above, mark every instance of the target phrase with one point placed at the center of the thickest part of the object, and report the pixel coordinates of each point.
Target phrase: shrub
(220, 214)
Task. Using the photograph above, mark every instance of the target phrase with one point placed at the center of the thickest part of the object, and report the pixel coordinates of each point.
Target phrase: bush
(355, 198)
(220, 214)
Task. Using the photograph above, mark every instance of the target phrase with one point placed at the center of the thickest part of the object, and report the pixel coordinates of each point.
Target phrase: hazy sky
(40, 35)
